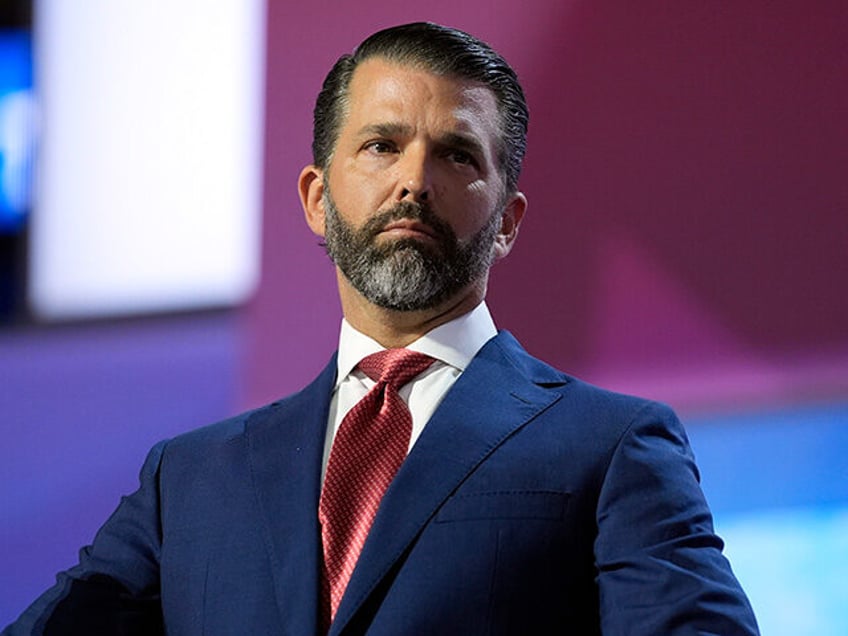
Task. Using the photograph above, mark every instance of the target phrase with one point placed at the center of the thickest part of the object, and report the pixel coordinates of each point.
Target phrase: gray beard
(406, 274)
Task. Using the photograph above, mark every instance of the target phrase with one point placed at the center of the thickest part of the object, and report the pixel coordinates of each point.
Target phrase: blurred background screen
(18, 121)
(143, 194)
(17, 128)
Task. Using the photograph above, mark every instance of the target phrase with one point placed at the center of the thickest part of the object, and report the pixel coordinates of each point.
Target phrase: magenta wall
(687, 236)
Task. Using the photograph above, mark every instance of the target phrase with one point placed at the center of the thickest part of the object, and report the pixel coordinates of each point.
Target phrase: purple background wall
(686, 239)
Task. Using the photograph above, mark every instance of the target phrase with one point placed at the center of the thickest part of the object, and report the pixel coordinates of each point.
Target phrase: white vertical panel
(148, 190)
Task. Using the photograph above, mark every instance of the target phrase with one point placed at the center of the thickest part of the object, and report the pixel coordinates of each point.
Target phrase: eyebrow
(386, 130)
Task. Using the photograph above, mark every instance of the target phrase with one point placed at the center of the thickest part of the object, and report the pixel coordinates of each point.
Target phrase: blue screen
(17, 127)
(777, 481)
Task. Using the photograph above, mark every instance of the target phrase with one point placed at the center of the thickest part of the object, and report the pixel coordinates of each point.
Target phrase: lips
(403, 228)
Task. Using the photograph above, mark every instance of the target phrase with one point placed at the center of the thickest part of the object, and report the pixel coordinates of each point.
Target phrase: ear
(513, 212)
(310, 187)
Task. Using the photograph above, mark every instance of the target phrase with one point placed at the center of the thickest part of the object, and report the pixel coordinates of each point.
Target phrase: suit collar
(286, 467)
(498, 394)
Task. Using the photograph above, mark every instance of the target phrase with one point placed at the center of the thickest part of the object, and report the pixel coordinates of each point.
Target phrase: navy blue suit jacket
(532, 503)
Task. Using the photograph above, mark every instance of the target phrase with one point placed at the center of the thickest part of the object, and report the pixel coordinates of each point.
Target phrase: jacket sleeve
(114, 589)
(660, 564)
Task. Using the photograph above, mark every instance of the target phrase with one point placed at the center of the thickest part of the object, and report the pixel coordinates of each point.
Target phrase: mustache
(407, 210)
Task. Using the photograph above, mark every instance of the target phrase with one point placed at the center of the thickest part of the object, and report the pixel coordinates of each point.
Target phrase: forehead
(384, 91)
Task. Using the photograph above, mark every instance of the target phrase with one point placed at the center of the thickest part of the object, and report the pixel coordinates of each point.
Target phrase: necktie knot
(395, 366)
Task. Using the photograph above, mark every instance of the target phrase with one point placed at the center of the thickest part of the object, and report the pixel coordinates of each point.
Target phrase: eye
(380, 147)
(461, 157)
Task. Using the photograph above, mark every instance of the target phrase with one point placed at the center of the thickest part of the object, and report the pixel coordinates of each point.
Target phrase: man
(482, 493)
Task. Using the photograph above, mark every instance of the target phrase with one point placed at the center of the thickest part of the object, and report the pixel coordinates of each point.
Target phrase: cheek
(359, 195)
(471, 210)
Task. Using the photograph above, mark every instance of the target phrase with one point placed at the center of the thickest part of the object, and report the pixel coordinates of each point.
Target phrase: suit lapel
(491, 400)
(286, 442)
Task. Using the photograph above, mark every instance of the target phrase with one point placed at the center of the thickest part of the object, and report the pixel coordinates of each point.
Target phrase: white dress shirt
(452, 344)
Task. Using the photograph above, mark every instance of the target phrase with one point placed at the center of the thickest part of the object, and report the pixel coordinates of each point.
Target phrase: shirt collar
(455, 343)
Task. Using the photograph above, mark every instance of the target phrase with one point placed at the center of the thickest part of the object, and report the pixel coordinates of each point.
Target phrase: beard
(407, 274)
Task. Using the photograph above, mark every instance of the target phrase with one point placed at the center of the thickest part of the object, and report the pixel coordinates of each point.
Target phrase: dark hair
(440, 50)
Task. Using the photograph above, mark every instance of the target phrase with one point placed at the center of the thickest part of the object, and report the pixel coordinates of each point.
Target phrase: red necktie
(370, 445)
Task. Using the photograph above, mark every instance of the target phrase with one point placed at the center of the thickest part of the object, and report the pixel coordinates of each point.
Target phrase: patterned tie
(370, 445)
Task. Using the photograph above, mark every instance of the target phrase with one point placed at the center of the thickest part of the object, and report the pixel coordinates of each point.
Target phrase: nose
(414, 177)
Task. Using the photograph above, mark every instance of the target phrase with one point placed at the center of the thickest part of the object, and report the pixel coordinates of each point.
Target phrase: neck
(392, 328)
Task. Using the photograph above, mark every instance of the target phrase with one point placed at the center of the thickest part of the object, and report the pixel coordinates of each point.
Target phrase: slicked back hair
(439, 50)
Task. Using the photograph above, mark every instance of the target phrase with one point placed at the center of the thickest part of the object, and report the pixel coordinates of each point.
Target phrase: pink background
(687, 172)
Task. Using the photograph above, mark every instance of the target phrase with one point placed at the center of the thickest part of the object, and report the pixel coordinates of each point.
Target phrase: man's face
(411, 203)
